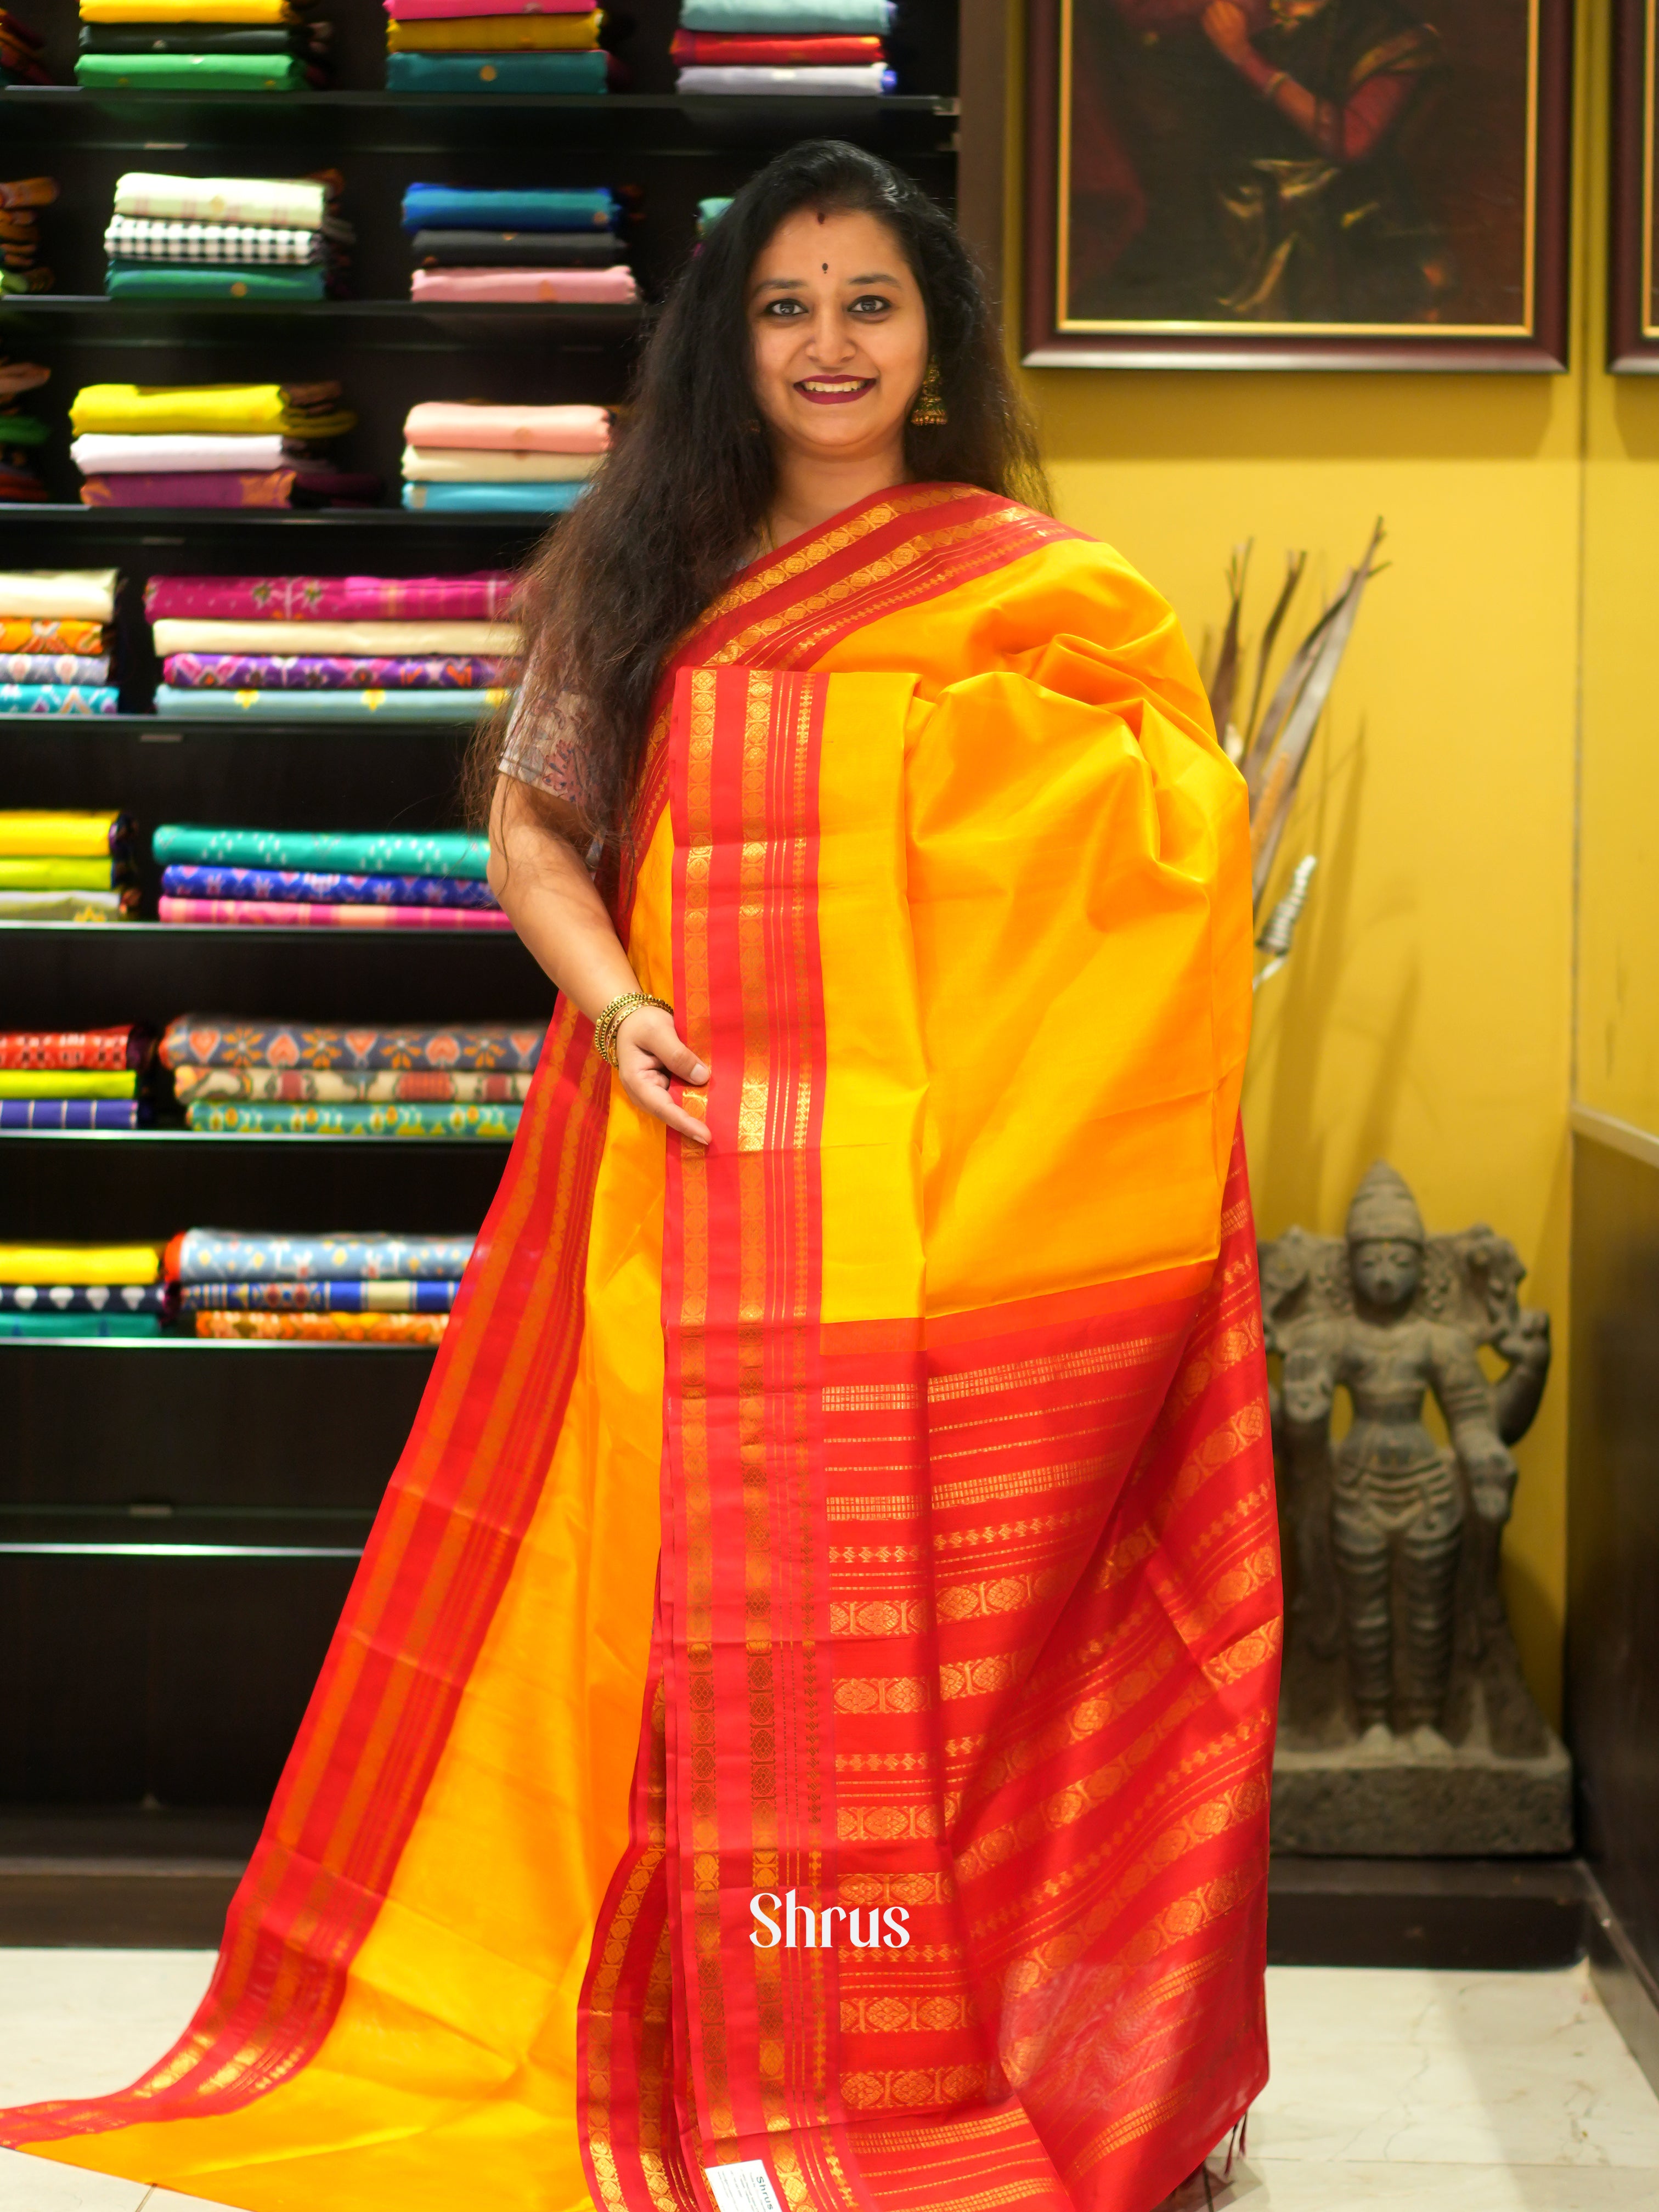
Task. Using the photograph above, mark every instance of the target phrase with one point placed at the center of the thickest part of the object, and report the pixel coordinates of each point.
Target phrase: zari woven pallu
(862, 1530)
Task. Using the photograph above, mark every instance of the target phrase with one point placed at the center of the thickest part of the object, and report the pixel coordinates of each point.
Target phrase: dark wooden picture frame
(1632, 293)
(1517, 206)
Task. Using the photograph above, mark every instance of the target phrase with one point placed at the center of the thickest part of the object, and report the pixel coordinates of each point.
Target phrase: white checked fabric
(142, 238)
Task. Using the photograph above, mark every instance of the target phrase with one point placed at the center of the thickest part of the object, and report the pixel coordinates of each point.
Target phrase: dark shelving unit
(179, 1519)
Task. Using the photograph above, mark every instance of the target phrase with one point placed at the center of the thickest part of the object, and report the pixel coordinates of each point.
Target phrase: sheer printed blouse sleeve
(546, 752)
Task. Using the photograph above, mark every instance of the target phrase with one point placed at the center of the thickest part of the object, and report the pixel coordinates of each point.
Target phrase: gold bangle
(612, 1017)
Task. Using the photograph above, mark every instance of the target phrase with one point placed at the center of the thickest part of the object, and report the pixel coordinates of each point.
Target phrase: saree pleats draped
(861, 1531)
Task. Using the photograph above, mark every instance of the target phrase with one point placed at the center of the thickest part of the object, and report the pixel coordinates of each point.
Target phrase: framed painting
(1633, 287)
(1298, 184)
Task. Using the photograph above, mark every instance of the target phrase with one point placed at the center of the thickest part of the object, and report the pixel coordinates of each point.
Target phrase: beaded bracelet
(611, 1020)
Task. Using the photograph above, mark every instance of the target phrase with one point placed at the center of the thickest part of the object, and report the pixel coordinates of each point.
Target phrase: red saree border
(444, 1545)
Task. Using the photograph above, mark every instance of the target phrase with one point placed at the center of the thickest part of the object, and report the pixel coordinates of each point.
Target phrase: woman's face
(840, 335)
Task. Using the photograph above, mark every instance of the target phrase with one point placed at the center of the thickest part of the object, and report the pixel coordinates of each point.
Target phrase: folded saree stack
(266, 877)
(340, 1288)
(257, 1078)
(23, 432)
(429, 648)
(20, 201)
(81, 1289)
(225, 238)
(73, 1079)
(529, 244)
(462, 458)
(201, 45)
(494, 45)
(827, 47)
(54, 632)
(209, 445)
(62, 866)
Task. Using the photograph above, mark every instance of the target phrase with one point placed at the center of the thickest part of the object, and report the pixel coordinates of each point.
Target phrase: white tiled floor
(1404, 2091)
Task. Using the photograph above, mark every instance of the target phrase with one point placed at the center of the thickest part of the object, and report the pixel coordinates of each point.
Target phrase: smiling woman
(843, 1501)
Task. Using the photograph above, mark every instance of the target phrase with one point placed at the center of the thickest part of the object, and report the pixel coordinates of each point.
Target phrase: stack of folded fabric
(494, 45)
(325, 879)
(374, 1288)
(66, 867)
(529, 245)
(20, 267)
(225, 238)
(73, 1079)
(461, 457)
(352, 1078)
(399, 648)
(81, 1289)
(21, 434)
(824, 46)
(20, 55)
(209, 445)
(201, 45)
(53, 623)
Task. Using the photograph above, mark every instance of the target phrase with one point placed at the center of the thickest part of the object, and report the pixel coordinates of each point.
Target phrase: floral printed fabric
(351, 1086)
(240, 671)
(370, 1296)
(209, 1255)
(491, 1122)
(216, 883)
(327, 1327)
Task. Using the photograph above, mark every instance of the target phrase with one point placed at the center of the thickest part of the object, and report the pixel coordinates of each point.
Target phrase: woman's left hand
(1227, 27)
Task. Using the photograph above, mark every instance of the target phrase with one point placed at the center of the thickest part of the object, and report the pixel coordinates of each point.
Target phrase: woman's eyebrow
(782, 284)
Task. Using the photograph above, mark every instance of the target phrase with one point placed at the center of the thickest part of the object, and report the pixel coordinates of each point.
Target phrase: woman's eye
(779, 309)
(871, 303)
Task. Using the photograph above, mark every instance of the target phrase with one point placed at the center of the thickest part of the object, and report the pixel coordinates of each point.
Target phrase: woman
(801, 1734)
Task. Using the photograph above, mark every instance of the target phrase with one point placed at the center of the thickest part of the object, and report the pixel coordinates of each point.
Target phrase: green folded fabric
(260, 1118)
(21, 431)
(497, 72)
(36, 872)
(190, 73)
(323, 706)
(342, 852)
(79, 1324)
(146, 280)
(68, 1082)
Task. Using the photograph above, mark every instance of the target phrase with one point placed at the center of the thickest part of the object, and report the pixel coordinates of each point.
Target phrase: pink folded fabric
(583, 286)
(446, 423)
(279, 914)
(411, 11)
(479, 597)
(196, 488)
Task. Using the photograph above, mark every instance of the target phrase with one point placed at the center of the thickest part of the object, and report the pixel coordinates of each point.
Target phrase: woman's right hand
(649, 1054)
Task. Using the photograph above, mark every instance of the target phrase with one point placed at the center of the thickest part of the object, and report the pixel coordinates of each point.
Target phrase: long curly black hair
(682, 496)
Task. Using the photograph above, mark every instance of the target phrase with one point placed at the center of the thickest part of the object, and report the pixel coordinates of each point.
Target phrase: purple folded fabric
(196, 880)
(264, 671)
(481, 597)
(194, 487)
(297, 914)
(72, 1113)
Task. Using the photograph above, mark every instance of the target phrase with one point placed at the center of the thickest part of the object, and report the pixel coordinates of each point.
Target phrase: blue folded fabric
(499, 72)
(793, 19)
(489, 499)
(196, 880)
(344, 706)
(58, 698)
(448, 206)
(72, 1113)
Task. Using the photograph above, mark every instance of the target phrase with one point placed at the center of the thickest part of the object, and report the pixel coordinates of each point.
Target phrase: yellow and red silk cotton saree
(800, 1735)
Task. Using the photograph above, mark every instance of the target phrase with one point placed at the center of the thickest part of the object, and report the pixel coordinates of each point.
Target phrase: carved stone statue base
(1342, 1802)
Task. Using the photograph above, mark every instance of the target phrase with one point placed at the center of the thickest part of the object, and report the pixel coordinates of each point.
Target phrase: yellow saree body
(1018, 924)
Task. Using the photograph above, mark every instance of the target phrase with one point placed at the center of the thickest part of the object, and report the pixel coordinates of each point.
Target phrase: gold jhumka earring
(929, 410)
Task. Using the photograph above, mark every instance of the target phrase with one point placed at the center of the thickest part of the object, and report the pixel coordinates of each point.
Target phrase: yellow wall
(1426, 1015)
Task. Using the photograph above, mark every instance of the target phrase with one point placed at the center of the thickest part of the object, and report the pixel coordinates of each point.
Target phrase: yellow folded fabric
(68, 1082)
(80, 1263)
(235, 409)
(186, 11)
(490, 34)
(40, 831)
(38, 871)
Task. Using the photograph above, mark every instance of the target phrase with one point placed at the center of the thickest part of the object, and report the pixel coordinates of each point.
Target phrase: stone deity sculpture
(1399, 1661)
